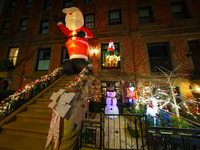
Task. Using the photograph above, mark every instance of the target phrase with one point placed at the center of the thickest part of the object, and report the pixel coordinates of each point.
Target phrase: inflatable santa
(76, 44)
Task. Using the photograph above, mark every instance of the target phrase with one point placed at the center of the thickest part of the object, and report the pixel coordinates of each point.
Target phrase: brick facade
(132, 36)
(181, 54)
(128, 55)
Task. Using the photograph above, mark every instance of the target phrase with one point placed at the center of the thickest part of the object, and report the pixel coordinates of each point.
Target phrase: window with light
(13, 55)
(43, 59)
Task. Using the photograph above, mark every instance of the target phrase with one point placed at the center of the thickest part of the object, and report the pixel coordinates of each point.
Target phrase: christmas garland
(78, 84)
(9, 104)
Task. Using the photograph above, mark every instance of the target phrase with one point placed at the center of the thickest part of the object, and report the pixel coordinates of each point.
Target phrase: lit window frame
(87, 23)
(13, 57)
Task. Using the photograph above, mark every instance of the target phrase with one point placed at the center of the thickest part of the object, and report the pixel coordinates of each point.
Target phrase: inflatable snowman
(111, 102)
(76, 44)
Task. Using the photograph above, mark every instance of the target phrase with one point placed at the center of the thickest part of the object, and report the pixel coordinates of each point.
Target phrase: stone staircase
(30, 128)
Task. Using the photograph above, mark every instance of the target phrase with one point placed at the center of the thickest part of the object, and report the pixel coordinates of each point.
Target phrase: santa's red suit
(77, 45)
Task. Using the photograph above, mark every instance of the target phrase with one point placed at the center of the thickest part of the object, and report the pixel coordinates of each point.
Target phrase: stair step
(20, 142)
(40, 108)
(31, 129)
(34, 116)
(47, 95)
(44, 101)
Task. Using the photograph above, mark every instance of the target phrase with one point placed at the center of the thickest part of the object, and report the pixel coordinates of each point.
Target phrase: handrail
(24, 94)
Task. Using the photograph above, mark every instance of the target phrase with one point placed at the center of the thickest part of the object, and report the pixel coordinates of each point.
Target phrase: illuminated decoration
(94, 51)
(198, 89)
(111, 57)
(152, 110)
(77, 44)
(111, 102)
(198, 111)
(8, 104)
(190, 88)
(131, 94)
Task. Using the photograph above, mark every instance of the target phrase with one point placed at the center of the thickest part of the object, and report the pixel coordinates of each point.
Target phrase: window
(145, 15)
(88, 1)
(47, 4)
(43, 59)
(159, 56)
(13, 54)
(89, 20)
(5, 27)
(179, 11)
(11, 5)
(114, 17)
(23, 24)
(195, 51)
(27, 3)
(67, 3)
(65, 55)
(44, 27)
(104, 48)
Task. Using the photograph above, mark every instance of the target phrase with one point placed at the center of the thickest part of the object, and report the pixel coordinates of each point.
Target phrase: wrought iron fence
(91, 134)
(115, 132)
(126, 131)
(165, 138)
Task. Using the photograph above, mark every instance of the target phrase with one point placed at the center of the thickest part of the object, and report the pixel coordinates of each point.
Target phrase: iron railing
(123, 132)
(167, 138)
(127, 131)
(91, 134)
